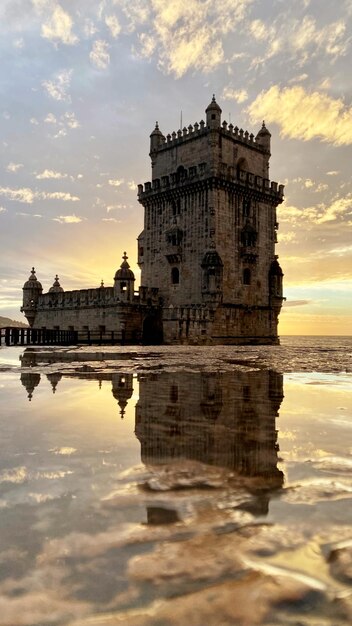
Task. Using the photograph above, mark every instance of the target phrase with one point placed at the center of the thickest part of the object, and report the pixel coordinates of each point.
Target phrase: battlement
(201, 172)
(95, 297)
(200, 129)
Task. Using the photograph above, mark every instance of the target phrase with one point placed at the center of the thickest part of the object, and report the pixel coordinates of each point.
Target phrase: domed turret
(32, 289)
(30, 381)
(122, 390)
(213, 112)
(33, 282)
(263, 137)
(56, 288)
(124, 281)
(156, 139)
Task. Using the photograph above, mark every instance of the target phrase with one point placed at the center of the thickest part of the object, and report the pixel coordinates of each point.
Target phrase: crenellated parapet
(77, 298)
(191, 132)
(197, 173)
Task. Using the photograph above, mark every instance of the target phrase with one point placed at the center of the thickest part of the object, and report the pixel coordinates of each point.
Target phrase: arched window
(175, 276)
(246, 276)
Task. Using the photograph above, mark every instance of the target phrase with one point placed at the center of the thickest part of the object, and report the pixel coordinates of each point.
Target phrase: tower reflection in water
(225, 419)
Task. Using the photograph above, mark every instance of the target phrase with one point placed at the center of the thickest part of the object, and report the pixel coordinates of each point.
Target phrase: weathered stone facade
(209, 272)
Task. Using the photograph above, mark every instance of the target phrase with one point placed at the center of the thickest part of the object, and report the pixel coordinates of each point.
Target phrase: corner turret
(213, 113)
(263, 138)
(124, 281)
(32, 289)
(156, 139)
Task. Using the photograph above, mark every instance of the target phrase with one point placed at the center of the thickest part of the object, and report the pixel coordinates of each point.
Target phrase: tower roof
(157, 131)
(56, 288)
(213, 106)
(124, 273)
(32, 282)
(263, 131)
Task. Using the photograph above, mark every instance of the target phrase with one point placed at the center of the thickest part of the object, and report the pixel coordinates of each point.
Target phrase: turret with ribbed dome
(56, 288)
(213, 112)
(124, 281)
(32, 289)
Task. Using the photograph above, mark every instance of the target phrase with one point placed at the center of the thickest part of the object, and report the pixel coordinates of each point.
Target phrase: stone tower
(209, 236)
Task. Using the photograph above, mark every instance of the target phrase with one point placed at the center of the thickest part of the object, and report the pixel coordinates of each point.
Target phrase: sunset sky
(82, 84)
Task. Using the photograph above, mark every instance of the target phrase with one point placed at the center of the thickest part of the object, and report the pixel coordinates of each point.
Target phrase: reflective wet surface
(187, 486)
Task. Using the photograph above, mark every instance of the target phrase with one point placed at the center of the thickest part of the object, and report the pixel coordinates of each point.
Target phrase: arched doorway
(152, 330)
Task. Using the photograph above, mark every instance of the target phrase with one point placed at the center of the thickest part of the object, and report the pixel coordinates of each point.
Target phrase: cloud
(289, 303)
(50, 174)
(299, 79)
(14, 167)
(332, 173)
(58, 195)
(58, 27)
(188, 34)
(303, 115)
(24, 194)
(99, 54)
(287, 237)
(89, 28)
(67, 219)
(109, 219)
(59, 86)
(239, 95)
(148, 45)
(341, 251)
(50, 119)
(114, 207)
(259, 30)
(115, 182)
(71, 120)
(27, 195)
(66, 121)
(113, 24)
(2, 209)
(132, 185)
(339, 209)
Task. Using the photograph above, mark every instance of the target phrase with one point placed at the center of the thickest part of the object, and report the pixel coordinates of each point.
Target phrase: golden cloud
(187, 33)
(304, 115)
(58, 27)
(67, 219)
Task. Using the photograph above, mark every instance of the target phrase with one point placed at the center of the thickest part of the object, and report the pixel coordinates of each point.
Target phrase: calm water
(177, 486)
